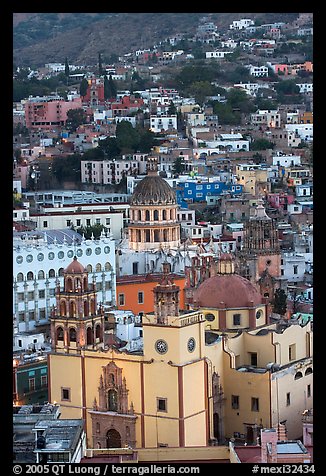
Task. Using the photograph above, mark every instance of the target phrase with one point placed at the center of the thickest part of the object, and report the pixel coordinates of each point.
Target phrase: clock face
(161, 346)
(191, 344)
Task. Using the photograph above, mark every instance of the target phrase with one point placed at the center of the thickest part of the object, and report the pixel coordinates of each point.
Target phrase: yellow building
(253, 178)
(191, 385)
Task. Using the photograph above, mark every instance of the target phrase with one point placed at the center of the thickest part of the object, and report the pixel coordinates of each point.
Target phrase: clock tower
(175, 343)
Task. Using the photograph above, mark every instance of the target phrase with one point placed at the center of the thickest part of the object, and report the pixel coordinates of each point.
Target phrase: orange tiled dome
(75, 267)
(228, 290)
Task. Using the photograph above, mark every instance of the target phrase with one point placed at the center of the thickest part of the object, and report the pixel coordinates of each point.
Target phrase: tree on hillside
(67, 70)
(75, 117)
(100, 66)
(110, 147)
(262, 144)
(178, 166)
(110, 88)
(67, 168)
(279, 302)
(83, 87)
(89, 231)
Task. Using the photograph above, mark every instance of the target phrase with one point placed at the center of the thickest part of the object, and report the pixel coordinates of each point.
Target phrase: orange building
(135, 292)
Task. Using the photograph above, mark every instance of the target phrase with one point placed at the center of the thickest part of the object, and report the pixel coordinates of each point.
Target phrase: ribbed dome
(231, 289)
(75, 267)
(153, 190)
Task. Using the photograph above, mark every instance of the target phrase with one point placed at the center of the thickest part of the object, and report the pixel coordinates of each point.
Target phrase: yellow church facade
(198, 381)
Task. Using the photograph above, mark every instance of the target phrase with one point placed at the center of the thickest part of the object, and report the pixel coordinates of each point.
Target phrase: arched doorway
(113, 439)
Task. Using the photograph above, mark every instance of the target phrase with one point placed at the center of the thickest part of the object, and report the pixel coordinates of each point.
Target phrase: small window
(140, 297)
(161, 404)
(292, 352)
(236, 319)
(288, 399)
(253, 359)
(121, 299)
(308, 391)
(65, 394)
(254, 404)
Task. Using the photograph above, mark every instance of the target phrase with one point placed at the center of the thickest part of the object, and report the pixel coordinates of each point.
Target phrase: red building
(95, 92)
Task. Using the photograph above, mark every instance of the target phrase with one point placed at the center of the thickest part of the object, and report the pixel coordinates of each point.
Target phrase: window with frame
(254, 404)
(121, 298)
(235, 401)
(161, 404)
(31, 384)
(140, 297)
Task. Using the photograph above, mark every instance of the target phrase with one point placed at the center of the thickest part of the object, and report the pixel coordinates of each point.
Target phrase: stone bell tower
(166, 296)
(260, 257)
(76, 322)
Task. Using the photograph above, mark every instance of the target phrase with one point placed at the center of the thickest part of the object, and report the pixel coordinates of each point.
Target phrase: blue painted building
(197, 191)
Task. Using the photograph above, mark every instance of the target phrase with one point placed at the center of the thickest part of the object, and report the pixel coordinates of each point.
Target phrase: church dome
(75, 267)
(227, 291)
(153, 190)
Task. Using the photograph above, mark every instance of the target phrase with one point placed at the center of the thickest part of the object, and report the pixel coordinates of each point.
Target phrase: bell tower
(166, 296)
(260, 257)
(76, 322)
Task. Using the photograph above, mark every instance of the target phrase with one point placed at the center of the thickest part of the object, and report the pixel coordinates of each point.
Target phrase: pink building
(46, 112)
(280, 200)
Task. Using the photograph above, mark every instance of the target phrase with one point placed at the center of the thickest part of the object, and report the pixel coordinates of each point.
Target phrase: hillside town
(163, 251)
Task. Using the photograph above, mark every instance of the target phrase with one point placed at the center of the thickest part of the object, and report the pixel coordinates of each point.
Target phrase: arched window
(165, 235)
(98, 331)
(68, 284)
(89, 268)
(156, 235)
(63, 308)
(298, 375)
(98, 267)
(72, 308)
(85, 282)
(72, 334)
(92, 304)
(308, 371)
(155, 215)
(41, 274)
(20, 277)
(59, 333)
(147, 217)
(60, 272)
(112, 401)
(30, 276)
(164, 215)
(51, 273)
(113, 439)
(89, 338)
(86, 308)
(108, 267)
